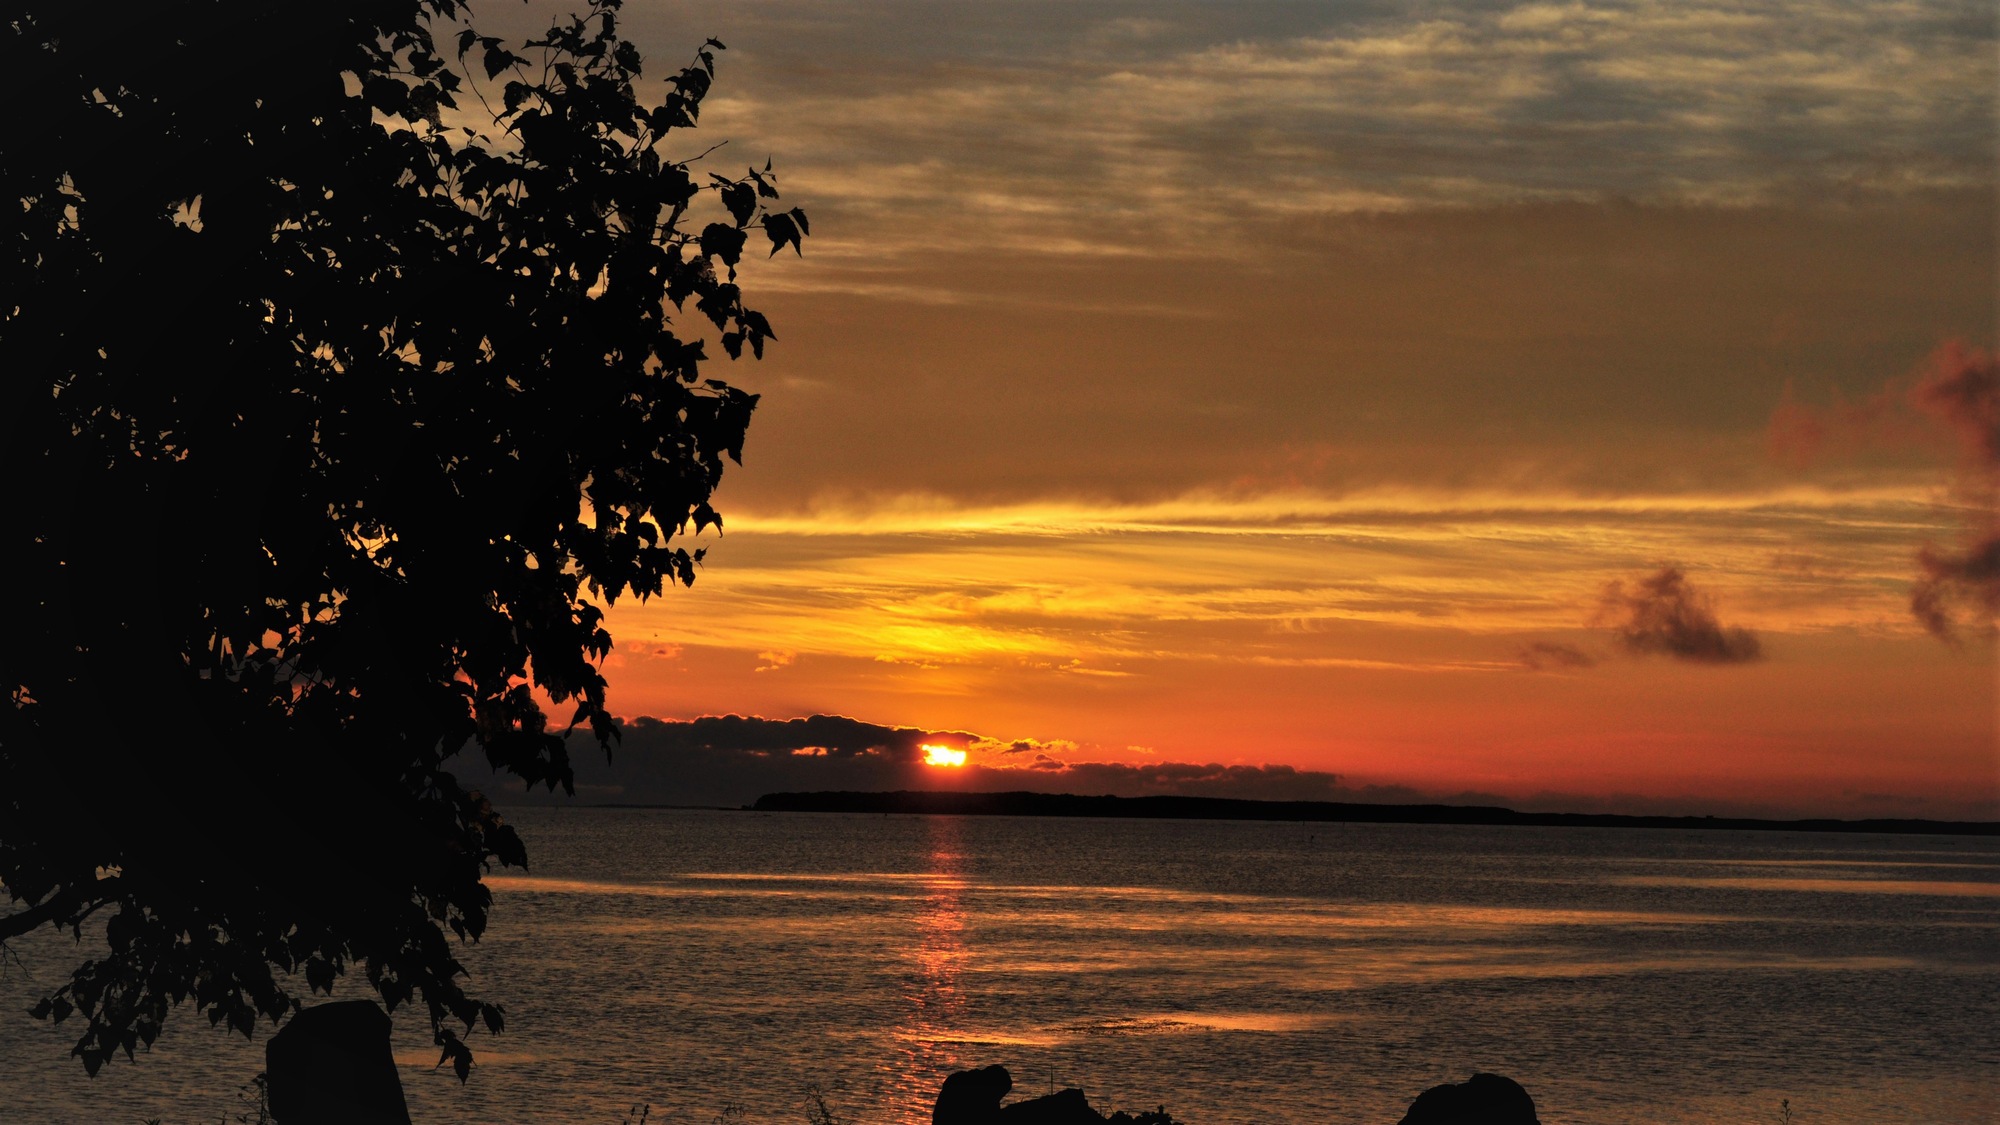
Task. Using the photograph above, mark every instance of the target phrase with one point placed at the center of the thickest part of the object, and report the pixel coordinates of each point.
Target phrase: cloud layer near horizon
(729, 760)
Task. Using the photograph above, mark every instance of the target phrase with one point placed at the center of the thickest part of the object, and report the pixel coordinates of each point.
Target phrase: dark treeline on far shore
(1225, 808)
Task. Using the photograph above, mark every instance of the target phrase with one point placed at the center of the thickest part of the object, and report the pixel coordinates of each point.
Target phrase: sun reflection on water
(933, 1009)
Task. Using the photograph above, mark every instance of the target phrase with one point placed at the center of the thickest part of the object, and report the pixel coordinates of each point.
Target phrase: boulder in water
(331, 1065)
(1483, 1099)
(972, 1097)
(1066, 1107)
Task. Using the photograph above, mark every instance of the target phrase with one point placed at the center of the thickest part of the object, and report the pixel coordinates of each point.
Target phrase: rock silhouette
(331, 1065)
(1066, 1107)
(1483, 1099)
(972, 1097)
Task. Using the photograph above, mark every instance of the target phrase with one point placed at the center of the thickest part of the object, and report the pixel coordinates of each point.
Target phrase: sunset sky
(1358, 389)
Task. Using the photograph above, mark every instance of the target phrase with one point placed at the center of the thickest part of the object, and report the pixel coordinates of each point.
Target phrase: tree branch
(65, 907)
(49, 910)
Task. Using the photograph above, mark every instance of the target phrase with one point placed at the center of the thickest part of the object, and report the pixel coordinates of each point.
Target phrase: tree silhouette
(351, 358)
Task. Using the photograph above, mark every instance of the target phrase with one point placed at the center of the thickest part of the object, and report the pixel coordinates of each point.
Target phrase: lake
(714, 964)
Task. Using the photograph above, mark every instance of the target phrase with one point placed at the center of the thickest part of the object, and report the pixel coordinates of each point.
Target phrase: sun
(942, 755)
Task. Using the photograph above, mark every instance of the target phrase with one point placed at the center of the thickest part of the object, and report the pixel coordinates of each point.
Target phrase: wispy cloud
(1299, 580)
(1169, 141)
(1548, 654)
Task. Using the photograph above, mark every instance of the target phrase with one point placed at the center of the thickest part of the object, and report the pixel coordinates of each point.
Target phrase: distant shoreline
(1227, 808)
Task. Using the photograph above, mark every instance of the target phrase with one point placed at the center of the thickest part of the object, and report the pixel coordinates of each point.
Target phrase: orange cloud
(1956, 393)
(1952, 391)
(1961, 391)
(1800, 434)
(1960, 388)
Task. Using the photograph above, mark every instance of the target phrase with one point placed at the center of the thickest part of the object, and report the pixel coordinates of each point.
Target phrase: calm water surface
(1234, 972)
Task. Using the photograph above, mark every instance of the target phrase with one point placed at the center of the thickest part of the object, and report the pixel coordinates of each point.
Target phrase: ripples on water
(1234, 972)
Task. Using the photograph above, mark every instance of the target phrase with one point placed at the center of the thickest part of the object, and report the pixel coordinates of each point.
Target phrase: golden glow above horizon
(946, 756)
(1084, 587)
(1341, 634)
